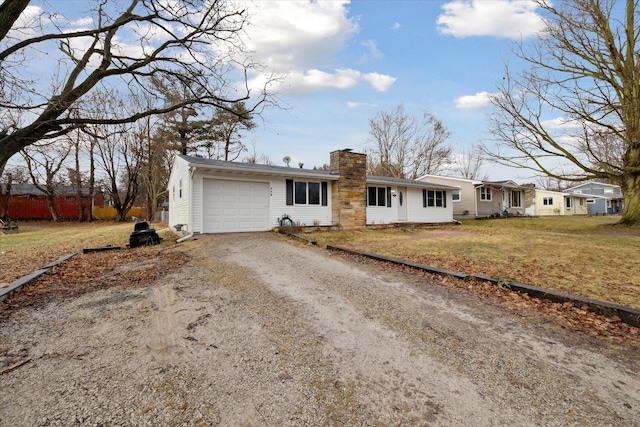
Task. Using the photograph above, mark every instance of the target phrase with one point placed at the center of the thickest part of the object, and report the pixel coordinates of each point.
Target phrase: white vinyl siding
(301, 214)
(415, 211)
(196, 204)
(179, 206)
(383, 214)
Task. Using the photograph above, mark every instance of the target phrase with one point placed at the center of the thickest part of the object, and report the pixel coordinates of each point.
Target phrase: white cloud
(352, 104)
(316, 80)
(562, 123)
(472, 102)
(373, 53)
(503, 18)
(396, 26)
(294, 35)
(380, 82)
(27, 24)
(302, 39)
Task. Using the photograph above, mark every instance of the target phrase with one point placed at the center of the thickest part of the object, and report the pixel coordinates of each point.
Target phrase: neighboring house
(213, 196)
(550, 203)
(603, 198)
(26, 201)
(482, 198)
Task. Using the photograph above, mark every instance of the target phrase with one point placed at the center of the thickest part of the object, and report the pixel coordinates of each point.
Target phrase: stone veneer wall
(349, 194)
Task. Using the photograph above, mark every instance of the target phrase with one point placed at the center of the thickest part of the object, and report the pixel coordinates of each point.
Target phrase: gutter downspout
(185, 238)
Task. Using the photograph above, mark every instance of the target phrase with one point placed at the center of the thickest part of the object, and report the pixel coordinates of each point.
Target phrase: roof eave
(306, 173)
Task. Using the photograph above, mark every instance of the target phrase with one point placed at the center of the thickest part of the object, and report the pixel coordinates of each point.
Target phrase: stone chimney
(349, 194)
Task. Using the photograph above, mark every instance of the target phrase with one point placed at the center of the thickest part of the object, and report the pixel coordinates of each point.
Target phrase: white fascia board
(294, 173)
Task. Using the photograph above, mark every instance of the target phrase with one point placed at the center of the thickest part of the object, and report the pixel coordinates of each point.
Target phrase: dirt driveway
(257, 330)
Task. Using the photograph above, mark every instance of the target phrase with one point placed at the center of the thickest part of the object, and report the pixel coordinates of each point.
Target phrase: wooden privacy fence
(30, 208)
(25, 207)
(109, 212)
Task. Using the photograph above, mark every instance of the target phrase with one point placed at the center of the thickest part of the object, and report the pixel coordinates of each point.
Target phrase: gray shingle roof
(239, 167)
(257, 168)
(25, 189)
(408, 182)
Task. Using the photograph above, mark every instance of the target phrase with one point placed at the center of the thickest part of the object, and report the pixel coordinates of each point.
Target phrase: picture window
(379, 196)
(306, 193)
(434, 198)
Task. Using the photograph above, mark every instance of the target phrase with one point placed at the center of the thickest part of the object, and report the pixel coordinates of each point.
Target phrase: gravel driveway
(257, 330)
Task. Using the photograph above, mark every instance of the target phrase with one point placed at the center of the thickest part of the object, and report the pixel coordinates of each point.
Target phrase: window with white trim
(516, 199)
(455, 195)
(547, 201)
(379, 196)
(306, 193)
(567, 202)
(485, 194)
(434, 198)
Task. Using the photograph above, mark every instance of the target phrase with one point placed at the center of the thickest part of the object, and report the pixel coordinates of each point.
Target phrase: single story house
(551, 203)
(603, 198)
(481, 198)
(213, 196)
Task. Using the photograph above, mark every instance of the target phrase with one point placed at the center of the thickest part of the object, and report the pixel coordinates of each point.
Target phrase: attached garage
(214, 196)
(234, 206)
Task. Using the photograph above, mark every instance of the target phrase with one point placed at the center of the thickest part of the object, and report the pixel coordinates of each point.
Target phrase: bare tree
(190, 40)
(44, 162)
(156, 164)
(255, 158)
(469, 163)
(584, 68)
(76, 176)
(405, 146)
(120, 162)
(551, 183)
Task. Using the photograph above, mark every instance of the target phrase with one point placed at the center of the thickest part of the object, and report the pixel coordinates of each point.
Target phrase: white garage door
(232, 206)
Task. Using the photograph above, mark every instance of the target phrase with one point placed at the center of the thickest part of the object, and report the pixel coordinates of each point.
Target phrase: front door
(402, 203)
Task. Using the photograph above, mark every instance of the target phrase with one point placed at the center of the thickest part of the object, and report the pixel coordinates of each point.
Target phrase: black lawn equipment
(143, 235)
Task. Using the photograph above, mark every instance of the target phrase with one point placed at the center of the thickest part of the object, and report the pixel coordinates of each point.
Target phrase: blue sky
(347, 61)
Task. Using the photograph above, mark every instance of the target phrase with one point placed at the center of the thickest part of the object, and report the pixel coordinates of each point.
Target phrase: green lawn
(587, 256)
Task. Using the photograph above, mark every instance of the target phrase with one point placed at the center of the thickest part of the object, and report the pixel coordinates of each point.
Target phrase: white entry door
(235, 206)
(402, 203)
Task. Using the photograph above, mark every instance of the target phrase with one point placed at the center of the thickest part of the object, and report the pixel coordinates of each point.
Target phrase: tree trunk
(10, 11)
(631, 193)
(54, 213)
(92, 180)
(78, 183)
(5, 201)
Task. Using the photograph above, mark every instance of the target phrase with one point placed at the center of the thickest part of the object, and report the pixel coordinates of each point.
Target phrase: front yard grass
(587, 256)
(40, 242)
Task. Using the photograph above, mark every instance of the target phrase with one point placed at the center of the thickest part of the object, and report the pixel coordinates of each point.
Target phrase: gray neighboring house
(473, 198)
(602, 198)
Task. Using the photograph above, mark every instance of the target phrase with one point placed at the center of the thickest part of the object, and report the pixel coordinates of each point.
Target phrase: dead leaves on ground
(559, 316)
(99, 270)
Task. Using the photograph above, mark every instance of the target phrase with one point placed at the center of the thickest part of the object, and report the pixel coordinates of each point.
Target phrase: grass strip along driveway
(590, 257)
